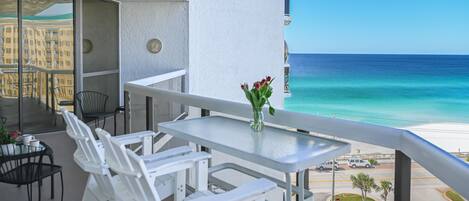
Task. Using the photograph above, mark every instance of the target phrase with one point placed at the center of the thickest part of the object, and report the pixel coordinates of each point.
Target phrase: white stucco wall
(231, 42)
(235, 41)
(142, 21)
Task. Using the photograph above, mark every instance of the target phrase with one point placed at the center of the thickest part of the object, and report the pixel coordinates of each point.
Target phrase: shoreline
(451, 137)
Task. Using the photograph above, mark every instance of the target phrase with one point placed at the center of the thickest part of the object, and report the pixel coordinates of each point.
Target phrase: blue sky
(379, 26)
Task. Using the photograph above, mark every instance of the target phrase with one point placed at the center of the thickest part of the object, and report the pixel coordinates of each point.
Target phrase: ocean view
(390, 90)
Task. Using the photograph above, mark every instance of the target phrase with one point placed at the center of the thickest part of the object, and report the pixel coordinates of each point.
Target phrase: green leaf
(271, 110)
(262, 101)
(255, 99)
(248, 96)
(268, 93)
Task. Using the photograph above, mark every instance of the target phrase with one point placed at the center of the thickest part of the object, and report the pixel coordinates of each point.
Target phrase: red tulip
(14, 134)
(257, 85)
(242, 86)
(268, 78)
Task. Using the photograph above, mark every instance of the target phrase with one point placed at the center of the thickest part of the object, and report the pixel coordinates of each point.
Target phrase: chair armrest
(176, 163)
(133, 138)
(167, 153)
(251, 190)
(99, 144)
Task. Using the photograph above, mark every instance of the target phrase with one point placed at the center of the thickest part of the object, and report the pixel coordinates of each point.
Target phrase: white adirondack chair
(137, 176)
(89, 156)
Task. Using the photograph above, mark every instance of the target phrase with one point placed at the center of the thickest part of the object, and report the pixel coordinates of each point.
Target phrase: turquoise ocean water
(391, 90)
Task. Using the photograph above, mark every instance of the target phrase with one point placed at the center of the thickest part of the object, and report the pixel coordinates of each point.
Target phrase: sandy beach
(452, 137)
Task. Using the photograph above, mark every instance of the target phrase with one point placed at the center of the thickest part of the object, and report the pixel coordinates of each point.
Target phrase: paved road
(425, 187)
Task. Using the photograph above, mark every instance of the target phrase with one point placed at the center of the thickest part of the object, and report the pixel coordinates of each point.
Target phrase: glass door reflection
(36, 67)
(9, 64)
(48, 79)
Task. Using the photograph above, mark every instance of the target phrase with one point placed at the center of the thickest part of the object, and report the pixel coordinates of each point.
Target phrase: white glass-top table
(275, 148)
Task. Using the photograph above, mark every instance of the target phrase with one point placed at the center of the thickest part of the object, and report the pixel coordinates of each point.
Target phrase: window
(8, 40)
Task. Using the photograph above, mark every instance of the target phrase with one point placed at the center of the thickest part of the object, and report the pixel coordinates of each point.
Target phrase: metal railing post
(47, 91)
(52, 92)
(306, 174)
(127, 112)
(149, 113)
(148, 141)
(402, 176)
(183, 90)
(205, 113)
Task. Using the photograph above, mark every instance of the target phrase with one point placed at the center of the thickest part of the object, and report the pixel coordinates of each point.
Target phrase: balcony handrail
(445, 166)
(159, 78)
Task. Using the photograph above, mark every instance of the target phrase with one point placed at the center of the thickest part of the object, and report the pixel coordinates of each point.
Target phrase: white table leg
(301, 183)
(288, 192)
(147, 147)
(180, 186)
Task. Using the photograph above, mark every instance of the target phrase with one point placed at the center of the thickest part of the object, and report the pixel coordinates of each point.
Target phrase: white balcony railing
(409, 146)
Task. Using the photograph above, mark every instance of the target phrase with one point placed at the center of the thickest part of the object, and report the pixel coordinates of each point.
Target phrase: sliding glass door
(42, 73)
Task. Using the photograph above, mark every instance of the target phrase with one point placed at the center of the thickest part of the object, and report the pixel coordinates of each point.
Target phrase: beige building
(48, 52)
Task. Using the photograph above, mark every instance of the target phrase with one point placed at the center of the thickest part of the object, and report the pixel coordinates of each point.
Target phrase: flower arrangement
(259, 96)
(7, 140)
(5, 137)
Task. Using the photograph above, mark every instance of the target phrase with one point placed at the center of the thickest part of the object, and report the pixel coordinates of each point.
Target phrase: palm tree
(386, 187)
(364, 182)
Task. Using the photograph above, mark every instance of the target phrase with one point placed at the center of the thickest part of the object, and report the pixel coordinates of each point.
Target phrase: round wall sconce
(154, 46)
(87, 46)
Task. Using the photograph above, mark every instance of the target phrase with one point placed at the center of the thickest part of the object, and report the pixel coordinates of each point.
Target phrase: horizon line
(345, 53)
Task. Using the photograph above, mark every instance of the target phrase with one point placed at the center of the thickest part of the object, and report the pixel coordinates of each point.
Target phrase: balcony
(417, 168)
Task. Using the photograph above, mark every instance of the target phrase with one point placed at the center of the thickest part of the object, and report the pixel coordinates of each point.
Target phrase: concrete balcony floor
(36, 118)
(74, 177)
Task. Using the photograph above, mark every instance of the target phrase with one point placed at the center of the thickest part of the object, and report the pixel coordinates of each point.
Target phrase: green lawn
(453, 196)
(350, 197)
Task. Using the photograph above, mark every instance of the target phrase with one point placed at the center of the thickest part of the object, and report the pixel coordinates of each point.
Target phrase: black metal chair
(93, 106)
(24, 166)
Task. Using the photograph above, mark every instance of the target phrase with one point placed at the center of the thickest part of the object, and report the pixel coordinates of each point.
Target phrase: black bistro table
(23, 165)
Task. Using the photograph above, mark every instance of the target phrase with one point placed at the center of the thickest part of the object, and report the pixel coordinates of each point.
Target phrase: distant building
(48, 49)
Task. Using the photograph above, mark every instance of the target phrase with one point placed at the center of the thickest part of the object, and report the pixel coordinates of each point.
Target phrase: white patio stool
(138, 175)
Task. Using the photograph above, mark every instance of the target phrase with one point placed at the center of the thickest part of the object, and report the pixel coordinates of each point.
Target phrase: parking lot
(425, 187)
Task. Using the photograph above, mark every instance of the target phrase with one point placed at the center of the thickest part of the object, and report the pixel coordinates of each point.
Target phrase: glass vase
(257, 123)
